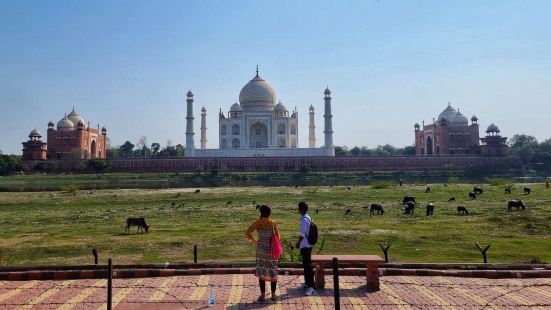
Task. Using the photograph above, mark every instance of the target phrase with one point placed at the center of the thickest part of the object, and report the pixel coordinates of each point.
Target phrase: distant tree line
(10, 164)
(380, 150)
(143, 150)
(530, 154)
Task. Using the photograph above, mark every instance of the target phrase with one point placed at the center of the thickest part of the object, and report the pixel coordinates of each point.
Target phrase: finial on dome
(256, 70)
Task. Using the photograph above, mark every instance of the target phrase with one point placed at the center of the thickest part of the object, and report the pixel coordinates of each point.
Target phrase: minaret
(190, 145)
(203, 128)
(312, 128)
(328, 120)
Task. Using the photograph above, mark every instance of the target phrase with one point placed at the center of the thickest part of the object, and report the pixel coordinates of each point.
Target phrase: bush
(499, 181)
(70, 189)
(97, 165)
(381, 185)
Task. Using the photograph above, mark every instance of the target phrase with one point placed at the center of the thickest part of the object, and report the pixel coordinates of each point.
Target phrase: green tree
(524, 147)
(126, 150)
(155, 148)
(11, 163)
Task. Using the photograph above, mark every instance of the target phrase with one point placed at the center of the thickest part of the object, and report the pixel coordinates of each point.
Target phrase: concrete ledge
(156, 272)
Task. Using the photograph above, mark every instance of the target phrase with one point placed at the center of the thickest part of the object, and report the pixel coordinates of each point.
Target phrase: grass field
(62, 228)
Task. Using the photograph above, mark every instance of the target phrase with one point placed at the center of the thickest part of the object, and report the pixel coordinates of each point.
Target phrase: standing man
(305, 249)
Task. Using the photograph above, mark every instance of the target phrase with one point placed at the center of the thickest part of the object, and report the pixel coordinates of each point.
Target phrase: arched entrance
(258, 136)
(429, 145)
(93, 149)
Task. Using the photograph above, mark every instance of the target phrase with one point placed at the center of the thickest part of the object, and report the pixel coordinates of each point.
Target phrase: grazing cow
(174, 204)
(472, 196)
(430, 209)
(515, 203)
(376, 207)
(408, 198)
(452, 199)
(349, 188)
(526, 190)
(427, 190)
(348, 212)
(507, 191)
(462, 211)
(197, 191)
(410, 207)
(136, 221)
(477, 190)
(296, 186)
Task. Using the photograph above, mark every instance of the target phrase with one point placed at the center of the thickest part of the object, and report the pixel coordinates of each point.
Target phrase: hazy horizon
(127, 65)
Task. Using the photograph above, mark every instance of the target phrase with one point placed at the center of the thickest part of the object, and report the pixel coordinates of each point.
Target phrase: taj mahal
(258, 127)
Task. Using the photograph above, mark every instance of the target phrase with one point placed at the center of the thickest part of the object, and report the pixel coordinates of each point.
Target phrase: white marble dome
(257, 96)
(460, 119)
(448, 113)
(236, 107)
(65, 124)
(76, 118)
(280, 108)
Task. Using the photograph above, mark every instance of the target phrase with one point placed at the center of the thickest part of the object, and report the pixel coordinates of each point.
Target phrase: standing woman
(266, 265)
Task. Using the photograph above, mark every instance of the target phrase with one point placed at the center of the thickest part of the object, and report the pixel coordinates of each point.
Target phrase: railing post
(109, 284)
(336, 283)
(95, 253)
(195, 254)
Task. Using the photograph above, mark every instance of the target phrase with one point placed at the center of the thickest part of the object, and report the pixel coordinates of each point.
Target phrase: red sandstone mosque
(72, 137)
(451, 134)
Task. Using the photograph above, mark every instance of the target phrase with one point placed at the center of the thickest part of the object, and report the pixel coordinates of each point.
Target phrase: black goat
(452, 199)
(136, 221)
(477, 190)
(376, 207)
(462, 211)
(472, 196)
(516, 203)
(430, 209)
(526, 190)
(410, 207)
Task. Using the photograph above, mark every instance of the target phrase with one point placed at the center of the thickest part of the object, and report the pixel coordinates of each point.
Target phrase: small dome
(65, 124)
(76, 118)
(492, 128)
(474, 118)
(460, 119)
(35, 133)
(448, 114)
(280, 108)
(311, 108)
(327, 91)
(257, 96)
(189, 94)
(203, 110)
(416, 125)
(236, 107)
(51, 124)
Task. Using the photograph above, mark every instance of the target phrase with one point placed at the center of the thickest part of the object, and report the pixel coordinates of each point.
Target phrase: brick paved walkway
(240, 292)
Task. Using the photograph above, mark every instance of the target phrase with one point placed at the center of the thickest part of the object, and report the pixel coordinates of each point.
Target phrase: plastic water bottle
(212, 299)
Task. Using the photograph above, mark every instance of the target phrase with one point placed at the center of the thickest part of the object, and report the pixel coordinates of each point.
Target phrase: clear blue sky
(128, 64)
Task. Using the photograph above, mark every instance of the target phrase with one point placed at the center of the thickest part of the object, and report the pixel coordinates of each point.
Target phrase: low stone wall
(315, 164)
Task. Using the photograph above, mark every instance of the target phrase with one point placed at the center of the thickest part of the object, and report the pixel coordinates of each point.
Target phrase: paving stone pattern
(241, 292)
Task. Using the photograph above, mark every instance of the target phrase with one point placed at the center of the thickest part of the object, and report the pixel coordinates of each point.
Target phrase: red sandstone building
(71, 138)
(451, 134)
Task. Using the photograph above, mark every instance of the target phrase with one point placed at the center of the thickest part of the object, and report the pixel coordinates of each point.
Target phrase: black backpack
(312, 236)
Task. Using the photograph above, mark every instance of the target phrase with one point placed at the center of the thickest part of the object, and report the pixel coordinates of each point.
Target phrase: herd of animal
(374, 209)
(409, 204)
